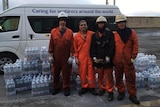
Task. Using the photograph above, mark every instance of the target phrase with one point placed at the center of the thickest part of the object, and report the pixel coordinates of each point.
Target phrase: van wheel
(6, 58)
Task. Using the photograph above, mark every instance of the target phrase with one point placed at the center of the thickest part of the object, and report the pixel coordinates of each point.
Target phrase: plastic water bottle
(10, 87)
(46, 68)
(34, 87)
(44, 53)
(74, 66)
(78, 83)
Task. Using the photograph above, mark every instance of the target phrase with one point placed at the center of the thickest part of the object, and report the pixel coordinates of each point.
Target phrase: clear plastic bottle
(46, 67)
(78, 83)
(10, 87)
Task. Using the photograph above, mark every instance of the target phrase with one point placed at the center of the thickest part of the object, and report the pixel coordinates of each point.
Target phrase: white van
(30, 25)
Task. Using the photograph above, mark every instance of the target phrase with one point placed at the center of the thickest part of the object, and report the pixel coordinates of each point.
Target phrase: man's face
(83, 26)
(62, 24)
(101, 25)
(121, 25)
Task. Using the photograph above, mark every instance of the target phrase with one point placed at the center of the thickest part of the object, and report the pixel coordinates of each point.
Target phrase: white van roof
(70, 9)
(67, 5)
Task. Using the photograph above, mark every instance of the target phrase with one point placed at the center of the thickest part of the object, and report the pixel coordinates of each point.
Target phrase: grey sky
(127, 7)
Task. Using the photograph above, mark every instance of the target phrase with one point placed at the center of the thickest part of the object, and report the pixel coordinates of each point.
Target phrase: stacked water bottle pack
(10, 87)
(41, 85)
(23, 83)
(22, 71)
(147, 71)
(12, 71)
(36, 60)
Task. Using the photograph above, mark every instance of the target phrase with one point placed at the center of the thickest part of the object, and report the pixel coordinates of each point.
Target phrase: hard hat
(120, 18)
(101, 19)
(62, 15)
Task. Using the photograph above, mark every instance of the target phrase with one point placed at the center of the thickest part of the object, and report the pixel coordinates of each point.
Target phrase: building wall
(143, 22)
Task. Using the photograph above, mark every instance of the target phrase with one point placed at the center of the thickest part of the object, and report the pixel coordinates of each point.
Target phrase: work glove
(132, 60)
(76, 60)
(107, 59)
(97, 60)
(51, 59)
(70, 60)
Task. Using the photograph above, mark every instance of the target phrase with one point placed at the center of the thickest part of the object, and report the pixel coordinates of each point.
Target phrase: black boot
(110, 96)
(101, 92)
(121, 96)
(82, 91)
(93, 91)
(134, 99)
(55, 91)
(67, 92)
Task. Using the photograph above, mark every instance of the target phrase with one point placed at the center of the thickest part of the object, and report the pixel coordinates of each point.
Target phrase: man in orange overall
(60, 49)
(126, 44)
(82, 42)
(102, 52)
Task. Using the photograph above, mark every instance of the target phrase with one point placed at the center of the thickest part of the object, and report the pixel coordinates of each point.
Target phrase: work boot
(101, 92)
(82, 91)
(134, 99)
(110, 96)
(93, 91)
(67, 92)
(55, 91)
(121, 96)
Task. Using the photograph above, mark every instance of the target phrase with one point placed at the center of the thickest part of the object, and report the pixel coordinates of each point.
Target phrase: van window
(43, 24)
(9, 23)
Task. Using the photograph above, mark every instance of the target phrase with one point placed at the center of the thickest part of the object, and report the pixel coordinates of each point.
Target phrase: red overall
(61, 47)
(85, 67)
(123, 65)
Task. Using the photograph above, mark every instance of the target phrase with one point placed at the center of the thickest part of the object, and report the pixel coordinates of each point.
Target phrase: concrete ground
(149, 40)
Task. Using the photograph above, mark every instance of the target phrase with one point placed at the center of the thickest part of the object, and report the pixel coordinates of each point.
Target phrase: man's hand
(97, 60)
(70, 60)
(132, 60)
(107, 59)
(76, 60)
(50, 58)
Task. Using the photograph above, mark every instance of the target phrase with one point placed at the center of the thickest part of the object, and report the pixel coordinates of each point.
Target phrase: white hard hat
(120, 18)
(101, 19)
(62, 15)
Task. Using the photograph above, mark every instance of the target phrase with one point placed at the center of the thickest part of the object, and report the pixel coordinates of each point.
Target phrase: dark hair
(82, 21)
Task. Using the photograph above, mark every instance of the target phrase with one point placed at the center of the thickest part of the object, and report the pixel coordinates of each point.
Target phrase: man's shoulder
(53, 30)
(69, 30)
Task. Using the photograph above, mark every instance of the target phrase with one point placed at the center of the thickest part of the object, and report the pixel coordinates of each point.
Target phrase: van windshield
(43, 24)
(9, 23)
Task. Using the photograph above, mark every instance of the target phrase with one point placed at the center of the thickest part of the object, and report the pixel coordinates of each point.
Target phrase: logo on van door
(75, 12)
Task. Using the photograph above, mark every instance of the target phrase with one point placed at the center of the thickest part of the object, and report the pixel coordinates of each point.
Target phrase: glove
(107, 59)
(97, 60)
(132, 60)
(76, 60)
(50, 58)
(70, 60)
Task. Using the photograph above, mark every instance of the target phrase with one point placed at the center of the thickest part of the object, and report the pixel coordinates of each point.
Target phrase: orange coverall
(85, 67)
(61, 47)
(122, 61)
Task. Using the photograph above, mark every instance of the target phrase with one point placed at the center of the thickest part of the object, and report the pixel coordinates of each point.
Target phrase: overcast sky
(127, 7)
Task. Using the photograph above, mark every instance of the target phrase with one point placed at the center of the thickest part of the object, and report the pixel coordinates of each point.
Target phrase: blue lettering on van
(108, 11)
(40, 11)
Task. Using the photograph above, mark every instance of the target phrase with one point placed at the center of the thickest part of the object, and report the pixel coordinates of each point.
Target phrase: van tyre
(6, 58)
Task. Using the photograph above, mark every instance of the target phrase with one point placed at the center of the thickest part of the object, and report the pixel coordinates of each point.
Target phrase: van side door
(38, 30)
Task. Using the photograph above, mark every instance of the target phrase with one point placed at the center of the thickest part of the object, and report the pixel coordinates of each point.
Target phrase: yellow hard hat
(101, 19)
(120, 18)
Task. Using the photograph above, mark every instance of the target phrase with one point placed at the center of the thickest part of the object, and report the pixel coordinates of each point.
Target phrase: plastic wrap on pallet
(41, 85)
(147, 71)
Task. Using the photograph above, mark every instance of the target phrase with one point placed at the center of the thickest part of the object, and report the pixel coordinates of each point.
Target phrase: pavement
(149, 40)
